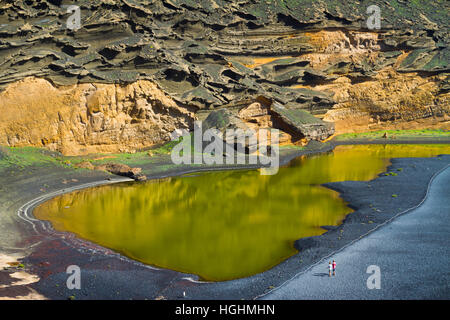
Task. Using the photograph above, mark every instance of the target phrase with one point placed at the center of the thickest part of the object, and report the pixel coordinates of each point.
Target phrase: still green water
(222, 225)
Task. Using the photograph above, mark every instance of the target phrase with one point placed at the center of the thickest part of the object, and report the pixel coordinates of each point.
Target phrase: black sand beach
(408, 253)
(107, 275)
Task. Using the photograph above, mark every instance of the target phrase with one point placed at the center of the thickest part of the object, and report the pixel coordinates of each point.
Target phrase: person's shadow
(322, 274)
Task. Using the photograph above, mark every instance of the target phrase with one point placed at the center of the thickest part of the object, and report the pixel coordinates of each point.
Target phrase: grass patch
(395, 134)
(291, 147)
(131, 159)
(13, 158)
(27, 156)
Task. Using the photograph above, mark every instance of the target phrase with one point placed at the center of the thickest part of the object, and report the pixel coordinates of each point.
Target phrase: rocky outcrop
(123, 170)
(302, 123)
(295, 125)
(115, 168)
(88, 118)
(315, 56)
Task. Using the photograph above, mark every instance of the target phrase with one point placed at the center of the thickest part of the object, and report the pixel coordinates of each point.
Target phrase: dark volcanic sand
(106, 275)
(410, 253)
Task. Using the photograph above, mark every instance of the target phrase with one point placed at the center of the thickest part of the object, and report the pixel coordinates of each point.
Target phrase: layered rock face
(88, 118)
(135, 70)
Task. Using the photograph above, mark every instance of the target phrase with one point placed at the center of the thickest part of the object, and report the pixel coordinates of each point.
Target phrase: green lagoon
(222, 225)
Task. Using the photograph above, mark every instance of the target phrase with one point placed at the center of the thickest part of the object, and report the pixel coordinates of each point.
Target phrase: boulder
(301, 122)
(122, 170)
(85, 165)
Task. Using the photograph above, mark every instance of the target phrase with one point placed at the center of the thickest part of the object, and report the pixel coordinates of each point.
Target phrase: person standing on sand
(334, 268)
(330, 267)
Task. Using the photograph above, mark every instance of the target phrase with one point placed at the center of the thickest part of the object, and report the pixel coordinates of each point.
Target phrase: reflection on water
(222, 225)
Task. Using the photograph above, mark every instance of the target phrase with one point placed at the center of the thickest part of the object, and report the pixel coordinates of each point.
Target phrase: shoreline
(227, 289)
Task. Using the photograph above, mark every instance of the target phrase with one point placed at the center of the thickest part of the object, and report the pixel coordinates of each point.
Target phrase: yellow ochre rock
(88, 118)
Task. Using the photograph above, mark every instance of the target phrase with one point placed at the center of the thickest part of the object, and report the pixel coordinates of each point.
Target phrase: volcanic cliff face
(89, 117)
(136, 70)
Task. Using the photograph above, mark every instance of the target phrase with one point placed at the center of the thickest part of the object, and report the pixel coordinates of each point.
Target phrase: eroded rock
(88, 118)
(211, 55)
(122, 170)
